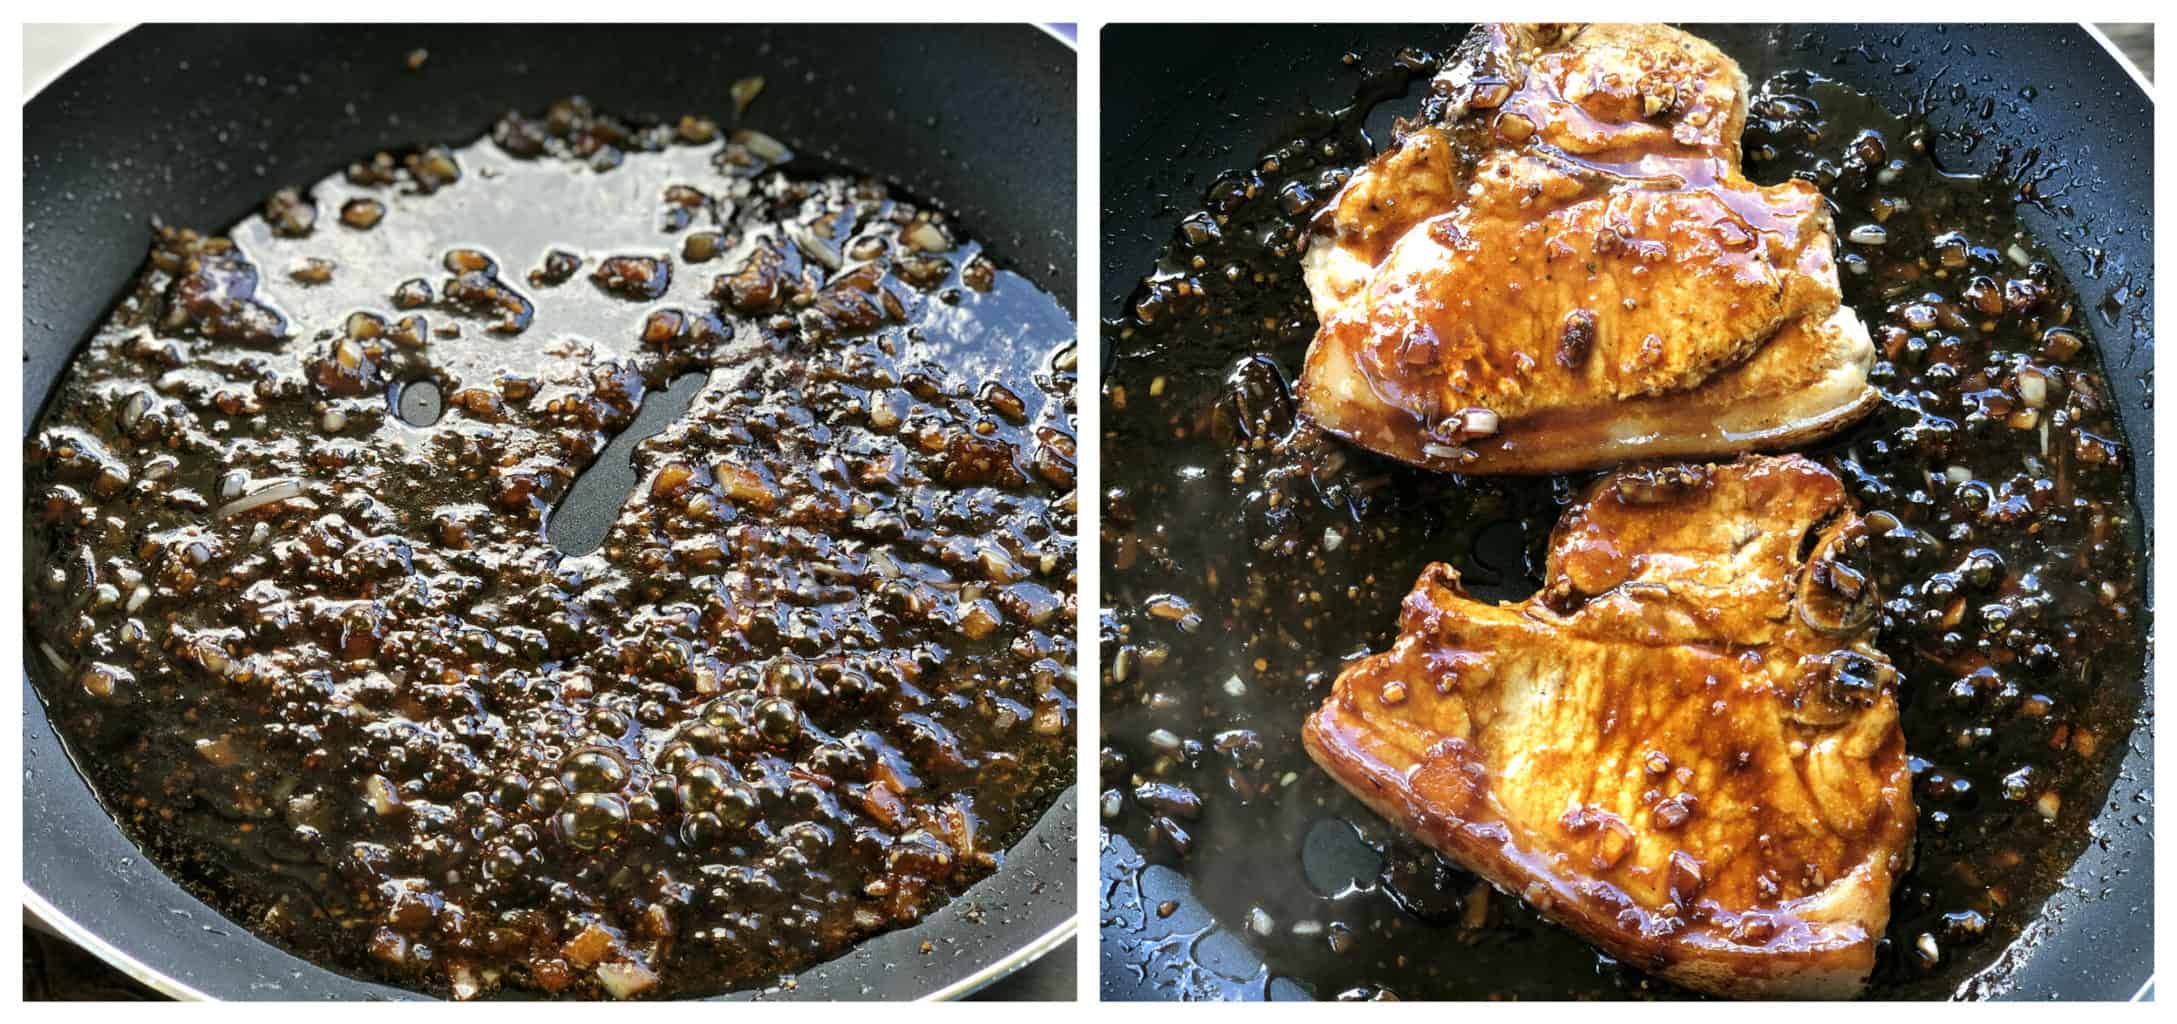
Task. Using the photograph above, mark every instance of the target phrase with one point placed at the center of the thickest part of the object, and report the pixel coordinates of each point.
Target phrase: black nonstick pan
(194, 125)
(1182, 104)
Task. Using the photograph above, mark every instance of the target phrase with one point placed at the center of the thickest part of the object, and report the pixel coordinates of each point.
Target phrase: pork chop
(1685, 748)
(1560, 266)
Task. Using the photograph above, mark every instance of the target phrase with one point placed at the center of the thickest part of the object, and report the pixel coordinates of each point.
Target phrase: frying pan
(197, 124)
(2057, 87)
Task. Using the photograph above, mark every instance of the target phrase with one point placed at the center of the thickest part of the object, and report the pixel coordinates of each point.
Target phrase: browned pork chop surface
(1685, 748)
(1560, 266)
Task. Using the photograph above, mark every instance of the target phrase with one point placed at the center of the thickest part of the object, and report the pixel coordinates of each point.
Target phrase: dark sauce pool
(1246, 556)
(338, 594)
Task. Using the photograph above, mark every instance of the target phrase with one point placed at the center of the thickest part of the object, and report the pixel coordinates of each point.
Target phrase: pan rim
(52, 918)
(2139, 78)
(110, 32)
(49, 916)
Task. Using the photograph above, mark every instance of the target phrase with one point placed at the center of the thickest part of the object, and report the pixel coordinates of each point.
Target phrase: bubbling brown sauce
(300, 617)
(1247, 556)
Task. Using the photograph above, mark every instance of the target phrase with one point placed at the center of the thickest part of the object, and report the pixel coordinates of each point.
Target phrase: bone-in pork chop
(1560, 266)
(1685, 748)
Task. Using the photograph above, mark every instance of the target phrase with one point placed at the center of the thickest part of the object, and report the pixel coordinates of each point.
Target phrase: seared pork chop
(1562, 267)
(1685, 748)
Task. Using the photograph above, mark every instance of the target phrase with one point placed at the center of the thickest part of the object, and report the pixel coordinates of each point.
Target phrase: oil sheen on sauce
(1247, 556)
(299, 608)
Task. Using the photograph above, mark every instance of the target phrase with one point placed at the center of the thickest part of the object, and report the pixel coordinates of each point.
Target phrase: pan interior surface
(202, 123)
(1994, 96)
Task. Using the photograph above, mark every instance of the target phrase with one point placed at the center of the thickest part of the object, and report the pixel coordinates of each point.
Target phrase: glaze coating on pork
(1685, 747)
(1560, 266)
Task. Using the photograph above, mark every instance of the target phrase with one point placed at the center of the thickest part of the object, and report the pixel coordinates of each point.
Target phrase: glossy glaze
(2010, 565)
(1685, 747)
(1560, 266)
(312, 641)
